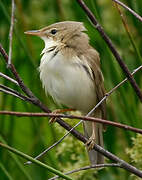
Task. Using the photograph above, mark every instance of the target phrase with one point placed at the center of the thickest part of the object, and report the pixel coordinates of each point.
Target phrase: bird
(70, 72)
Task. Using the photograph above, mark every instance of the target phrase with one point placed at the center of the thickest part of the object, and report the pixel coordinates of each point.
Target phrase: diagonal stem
(12, 92)
(129, 9)
(11, 33)
(112, 48)
(25, 156)
(8, 78)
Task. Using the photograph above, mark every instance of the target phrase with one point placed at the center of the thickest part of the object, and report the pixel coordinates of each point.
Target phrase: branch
(112, 48)
(56, 143)
(8, 78)
(93, 119)
(45, 151)
(89, 167)
(12, 92)
(25, 156)
(25, 89)
(129, 9)
(11, 33)
(113, 89)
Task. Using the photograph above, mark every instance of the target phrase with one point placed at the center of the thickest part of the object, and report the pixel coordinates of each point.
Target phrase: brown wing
(94, 61)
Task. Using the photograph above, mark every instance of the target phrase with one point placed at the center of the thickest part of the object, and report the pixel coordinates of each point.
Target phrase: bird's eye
(53, 31)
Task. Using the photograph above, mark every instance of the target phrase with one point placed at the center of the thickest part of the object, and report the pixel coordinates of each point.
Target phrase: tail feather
(94, 156)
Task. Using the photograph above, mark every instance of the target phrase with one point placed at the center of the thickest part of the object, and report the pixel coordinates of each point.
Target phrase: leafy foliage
(135, 152)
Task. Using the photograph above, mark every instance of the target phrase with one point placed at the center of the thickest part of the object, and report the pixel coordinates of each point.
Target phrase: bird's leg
(56, 111)
(92, 140)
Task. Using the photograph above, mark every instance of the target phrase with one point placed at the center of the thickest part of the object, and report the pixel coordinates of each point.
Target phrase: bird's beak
(34, 32)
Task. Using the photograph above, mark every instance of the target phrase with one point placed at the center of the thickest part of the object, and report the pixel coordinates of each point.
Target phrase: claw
(53, 119)
(91, 142)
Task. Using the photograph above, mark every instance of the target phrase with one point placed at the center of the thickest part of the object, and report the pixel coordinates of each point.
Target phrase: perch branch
(93, 119)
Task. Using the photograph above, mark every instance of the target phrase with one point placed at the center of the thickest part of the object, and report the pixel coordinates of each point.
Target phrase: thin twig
(56, 143)
(122, 163)
(112, 48)
(25, 89)
(12, 92)
(11, 33)
(129, 9)
(97, 166)
(118, 85)
(8, 78)
(85, 118)
(44, 152)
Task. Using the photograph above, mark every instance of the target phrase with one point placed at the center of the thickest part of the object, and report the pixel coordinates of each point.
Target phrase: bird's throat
(50, 45)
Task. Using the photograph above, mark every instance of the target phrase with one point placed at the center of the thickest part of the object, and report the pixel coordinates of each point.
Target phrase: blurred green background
(33, 135)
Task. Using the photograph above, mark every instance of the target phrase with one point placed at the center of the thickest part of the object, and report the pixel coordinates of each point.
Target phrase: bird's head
(62, 32)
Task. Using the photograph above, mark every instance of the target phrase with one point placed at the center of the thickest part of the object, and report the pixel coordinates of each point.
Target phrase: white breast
(67, 82)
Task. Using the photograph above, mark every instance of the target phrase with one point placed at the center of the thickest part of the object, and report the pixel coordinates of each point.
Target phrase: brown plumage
(70, 73)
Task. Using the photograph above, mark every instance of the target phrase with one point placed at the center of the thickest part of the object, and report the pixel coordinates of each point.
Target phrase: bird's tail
(94, 156)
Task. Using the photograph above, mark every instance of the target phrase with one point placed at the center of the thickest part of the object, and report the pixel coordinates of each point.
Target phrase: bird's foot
(91, 142)
(56, 111)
